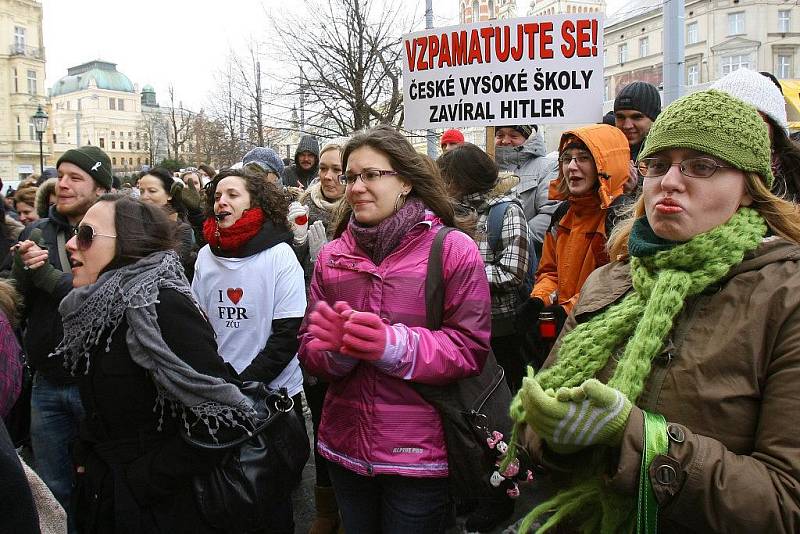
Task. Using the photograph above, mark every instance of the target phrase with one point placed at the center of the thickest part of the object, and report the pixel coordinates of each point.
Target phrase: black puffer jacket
(137, 478)
(293, 175)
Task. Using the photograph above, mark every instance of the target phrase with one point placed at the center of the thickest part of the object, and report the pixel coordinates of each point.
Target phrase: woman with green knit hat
(670, 400)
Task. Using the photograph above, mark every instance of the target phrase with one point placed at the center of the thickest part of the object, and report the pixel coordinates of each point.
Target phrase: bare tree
(209, 140)
(347, 56)
(179, 122)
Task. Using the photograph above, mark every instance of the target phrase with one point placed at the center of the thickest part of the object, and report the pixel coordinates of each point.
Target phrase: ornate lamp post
(40, 124)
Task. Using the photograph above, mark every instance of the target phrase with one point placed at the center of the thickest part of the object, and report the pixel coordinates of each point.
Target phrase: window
(113, 134)
(605, 90)
(130, 145)
(16, 81)
(692, 33)
(102, 142)
(19, 130)
(784, 20)
(622, 53)
(138, 161)
(120, 104)
(112, 104)
(475, 9)
(736, 23)
(692, 75)
(130, 160)
(32, 130)
(130, 134)
(734, 62)
(68, 105)
(644, 43)
(55, 140)
(113, 161)
(113, 144)
(19, 39)
(31, 82)
(784, 66)
(492, 14)
(138, 145)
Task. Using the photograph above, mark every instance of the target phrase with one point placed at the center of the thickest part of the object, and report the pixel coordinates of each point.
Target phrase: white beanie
(758, 91)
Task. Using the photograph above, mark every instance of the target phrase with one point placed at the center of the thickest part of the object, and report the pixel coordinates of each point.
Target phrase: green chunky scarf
(664, 274)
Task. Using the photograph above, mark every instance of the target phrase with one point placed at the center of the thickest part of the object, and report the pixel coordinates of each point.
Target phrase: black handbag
(237, 495)
(470, 408)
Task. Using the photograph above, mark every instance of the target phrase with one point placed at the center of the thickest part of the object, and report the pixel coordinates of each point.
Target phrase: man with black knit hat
(43, 276)
(635, 109)
(306, 163)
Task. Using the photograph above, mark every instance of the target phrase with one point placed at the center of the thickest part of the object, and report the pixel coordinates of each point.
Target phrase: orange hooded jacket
(579, 246)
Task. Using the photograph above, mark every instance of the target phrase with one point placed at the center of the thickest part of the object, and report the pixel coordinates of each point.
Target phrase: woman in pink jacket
(366, 335)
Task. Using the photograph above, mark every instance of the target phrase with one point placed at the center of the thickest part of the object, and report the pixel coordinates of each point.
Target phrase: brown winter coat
(728, 384)
(576, 244)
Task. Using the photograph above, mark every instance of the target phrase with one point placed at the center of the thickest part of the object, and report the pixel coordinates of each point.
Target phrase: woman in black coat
(153, 370)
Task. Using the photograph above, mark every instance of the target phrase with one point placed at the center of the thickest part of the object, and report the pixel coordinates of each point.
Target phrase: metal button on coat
(675, 433)
(666, 475)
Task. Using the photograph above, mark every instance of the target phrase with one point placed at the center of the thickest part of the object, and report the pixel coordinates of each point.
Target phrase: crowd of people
(639, 287)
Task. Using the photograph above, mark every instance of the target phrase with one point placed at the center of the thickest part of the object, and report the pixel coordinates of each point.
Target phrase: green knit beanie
(719, 125)
(93, 161)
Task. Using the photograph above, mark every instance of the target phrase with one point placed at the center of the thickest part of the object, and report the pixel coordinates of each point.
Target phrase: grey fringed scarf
(132, 291)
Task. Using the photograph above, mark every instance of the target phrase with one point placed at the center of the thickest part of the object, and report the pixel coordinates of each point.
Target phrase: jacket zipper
(498, 380)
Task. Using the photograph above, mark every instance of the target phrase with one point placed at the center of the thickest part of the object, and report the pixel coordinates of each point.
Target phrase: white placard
(516, 71)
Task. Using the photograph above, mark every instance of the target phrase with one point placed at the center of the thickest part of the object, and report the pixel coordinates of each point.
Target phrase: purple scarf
(380, 240)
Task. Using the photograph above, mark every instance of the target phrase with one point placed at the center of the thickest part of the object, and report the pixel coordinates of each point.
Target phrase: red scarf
(235, 236)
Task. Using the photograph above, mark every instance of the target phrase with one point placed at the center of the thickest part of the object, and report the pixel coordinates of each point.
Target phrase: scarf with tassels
(91, 312)
(664, 275)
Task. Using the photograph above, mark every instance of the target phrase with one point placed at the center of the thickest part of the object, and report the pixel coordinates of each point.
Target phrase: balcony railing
(27, 51)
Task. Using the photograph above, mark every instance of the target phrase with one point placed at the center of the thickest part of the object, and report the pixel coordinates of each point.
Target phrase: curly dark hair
(271, 198)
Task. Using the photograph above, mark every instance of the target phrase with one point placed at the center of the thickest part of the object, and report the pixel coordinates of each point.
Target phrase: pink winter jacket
(373, 421)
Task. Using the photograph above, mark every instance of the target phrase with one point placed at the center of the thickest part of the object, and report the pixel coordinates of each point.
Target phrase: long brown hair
(10, 302)
(418, 170)
(782, 217)
(266, 195)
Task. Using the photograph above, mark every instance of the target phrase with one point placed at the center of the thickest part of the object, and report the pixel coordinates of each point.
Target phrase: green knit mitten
(573, 418)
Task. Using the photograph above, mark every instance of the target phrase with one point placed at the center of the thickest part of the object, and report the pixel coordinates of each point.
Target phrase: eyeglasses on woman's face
(697, 167)
(367, 176)
(85, 235)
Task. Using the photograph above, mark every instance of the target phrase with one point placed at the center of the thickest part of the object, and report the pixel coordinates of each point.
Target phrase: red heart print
(235, 294)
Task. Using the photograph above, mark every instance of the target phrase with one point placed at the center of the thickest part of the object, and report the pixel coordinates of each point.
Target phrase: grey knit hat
(639, 96)
(266, 158)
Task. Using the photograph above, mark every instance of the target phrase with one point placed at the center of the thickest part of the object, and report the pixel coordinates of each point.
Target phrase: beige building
(22, 60)
(720, 36)
(480, 10)
(95, 104)
(554, 7)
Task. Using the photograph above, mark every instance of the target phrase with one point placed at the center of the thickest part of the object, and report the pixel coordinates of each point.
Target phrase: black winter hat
(524, 129)
(640, 96)
(92, 161)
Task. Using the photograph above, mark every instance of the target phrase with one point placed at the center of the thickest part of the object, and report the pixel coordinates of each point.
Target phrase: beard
(77, 208)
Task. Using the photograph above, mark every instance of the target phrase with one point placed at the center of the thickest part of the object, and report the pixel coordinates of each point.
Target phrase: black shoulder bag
(470, 408)
(236, 495)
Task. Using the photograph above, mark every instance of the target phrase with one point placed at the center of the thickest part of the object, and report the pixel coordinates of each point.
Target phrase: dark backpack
(470, 408)
(494, 230)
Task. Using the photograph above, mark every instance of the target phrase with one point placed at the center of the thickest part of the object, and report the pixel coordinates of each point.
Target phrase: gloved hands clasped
(570, 419)
(360, 335)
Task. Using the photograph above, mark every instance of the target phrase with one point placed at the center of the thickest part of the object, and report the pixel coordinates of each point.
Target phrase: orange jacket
(579, 244)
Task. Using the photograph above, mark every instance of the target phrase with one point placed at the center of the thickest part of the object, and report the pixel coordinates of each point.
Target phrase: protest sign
(528, 71)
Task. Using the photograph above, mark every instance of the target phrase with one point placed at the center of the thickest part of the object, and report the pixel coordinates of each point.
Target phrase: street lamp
(40, 124)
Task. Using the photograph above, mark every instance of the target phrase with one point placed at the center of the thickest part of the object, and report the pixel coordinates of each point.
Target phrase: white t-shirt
(242, 296)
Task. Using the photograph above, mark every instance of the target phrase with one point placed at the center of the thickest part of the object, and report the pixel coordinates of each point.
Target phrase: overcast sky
(183, 42)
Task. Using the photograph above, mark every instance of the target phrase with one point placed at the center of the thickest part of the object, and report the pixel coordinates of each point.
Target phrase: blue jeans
(390, 504)
(56, 412)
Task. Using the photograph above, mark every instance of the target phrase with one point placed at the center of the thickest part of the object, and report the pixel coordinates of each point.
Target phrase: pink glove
(326, 324)
(364, 336)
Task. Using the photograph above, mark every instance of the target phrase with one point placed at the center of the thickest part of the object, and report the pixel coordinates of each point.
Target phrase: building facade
(720, 37)
(480, 10)
(22, 69)
(554, 7)
(95, 104)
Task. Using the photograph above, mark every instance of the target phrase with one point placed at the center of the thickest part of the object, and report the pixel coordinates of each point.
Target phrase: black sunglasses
(85, 234)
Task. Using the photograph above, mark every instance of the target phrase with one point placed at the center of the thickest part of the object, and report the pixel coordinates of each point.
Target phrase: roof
(632, 9)
(104, 74)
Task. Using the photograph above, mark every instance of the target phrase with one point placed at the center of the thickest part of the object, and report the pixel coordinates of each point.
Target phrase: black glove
(528, 314)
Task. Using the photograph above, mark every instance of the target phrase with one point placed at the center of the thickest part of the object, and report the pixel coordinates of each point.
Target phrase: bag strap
(62, 251)
(494, 224)
(655, 443)
(434, 281)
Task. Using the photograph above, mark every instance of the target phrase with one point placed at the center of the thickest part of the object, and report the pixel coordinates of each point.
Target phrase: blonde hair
(9, 302)
(782, 217)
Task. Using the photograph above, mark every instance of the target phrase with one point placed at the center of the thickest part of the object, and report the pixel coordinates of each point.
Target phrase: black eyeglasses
(699, 167)
(85, 234)
(367, 176)
(582, 159)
